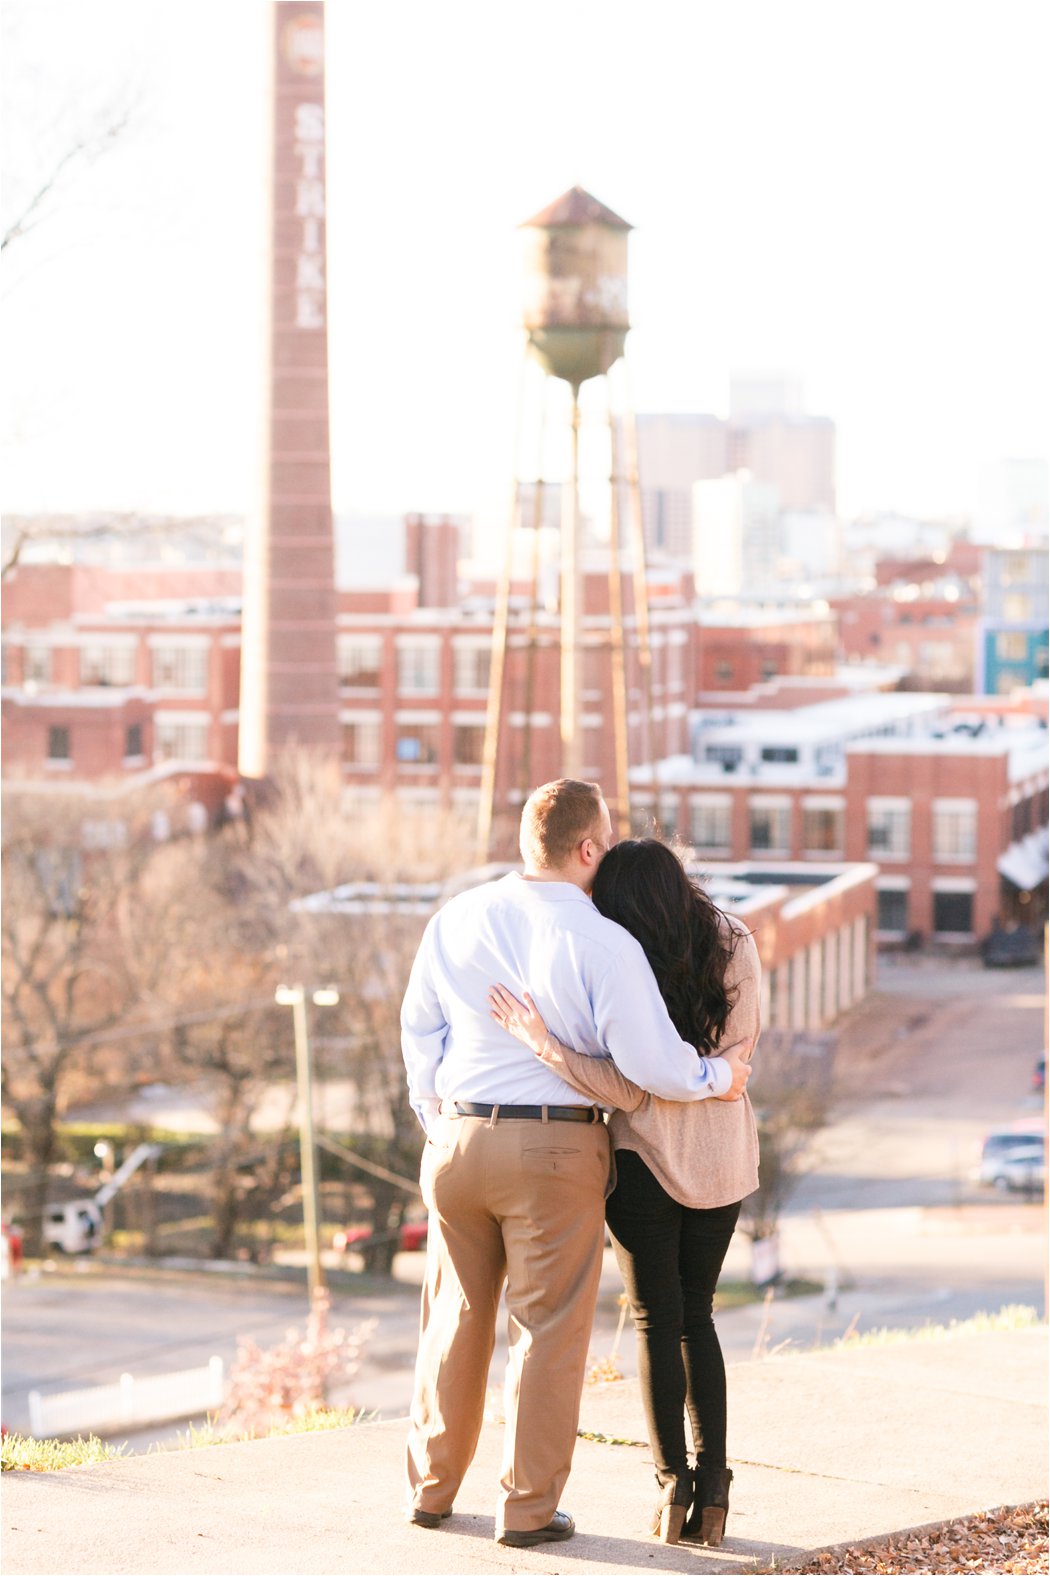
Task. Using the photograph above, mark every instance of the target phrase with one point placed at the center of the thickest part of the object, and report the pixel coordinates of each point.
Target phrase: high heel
(707, 1518)
(672, 1508)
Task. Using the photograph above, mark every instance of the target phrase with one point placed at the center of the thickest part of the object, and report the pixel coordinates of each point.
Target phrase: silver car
(1014, 1161)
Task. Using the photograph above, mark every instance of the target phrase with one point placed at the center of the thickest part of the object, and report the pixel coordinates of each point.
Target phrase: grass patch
(737, 1294)
(19, 1454)
(1015, 1316)
(317, 1420)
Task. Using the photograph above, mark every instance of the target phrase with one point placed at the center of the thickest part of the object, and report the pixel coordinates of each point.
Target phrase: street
(887, 1220)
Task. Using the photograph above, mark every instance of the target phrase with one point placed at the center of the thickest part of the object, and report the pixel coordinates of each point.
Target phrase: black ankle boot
(671, 1508)
(706, 1522)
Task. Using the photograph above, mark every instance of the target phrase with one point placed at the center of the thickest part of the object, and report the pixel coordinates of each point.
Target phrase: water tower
(576, 322)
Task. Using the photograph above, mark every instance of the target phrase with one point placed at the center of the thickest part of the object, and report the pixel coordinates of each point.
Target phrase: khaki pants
(521, 1202)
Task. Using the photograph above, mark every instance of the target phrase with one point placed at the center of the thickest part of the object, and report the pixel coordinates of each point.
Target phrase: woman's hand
(519, 1018)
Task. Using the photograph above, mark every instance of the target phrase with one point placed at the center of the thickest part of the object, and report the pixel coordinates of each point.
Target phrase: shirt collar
(548, 891)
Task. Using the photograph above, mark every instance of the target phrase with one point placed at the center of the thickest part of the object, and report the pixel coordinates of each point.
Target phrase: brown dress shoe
(560, 1527)
(427, 1518)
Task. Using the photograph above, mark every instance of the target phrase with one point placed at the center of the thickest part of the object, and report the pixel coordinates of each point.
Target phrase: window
(36, 665)
(361, 743)
(416, 744)
(58, 744)
(770, 827)
(780, 752)
(769, 669)
(822, 831)
(954, 829)
(418, 669)
(359, 662)
(468, 743)
(472, 669)
(1017, 609)
(889, 830)
(1011, 646)
(892, 911)
(107, 665)
(710, 824)
(182, 668)
(953, 913)
(180, 741)
(1016, 569)
(1021, 820)
(729, 755)
(132, 740)
(723, 672)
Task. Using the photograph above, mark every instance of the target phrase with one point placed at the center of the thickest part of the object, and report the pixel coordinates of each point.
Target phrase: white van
(75, 1227)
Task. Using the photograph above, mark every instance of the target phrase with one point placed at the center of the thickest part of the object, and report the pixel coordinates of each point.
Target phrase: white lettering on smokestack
(310, 208)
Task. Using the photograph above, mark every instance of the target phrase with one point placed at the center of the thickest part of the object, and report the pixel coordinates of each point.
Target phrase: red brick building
(752, 646)
(931, 636)
(113, 676)
(933, 791)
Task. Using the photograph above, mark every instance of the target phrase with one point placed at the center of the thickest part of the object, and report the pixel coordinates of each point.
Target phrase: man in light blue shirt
(516, 1164)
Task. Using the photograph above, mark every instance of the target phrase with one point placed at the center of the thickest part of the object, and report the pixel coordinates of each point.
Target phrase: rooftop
(574, 207)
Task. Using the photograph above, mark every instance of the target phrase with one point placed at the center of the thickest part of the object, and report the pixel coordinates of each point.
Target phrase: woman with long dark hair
(682, 1168)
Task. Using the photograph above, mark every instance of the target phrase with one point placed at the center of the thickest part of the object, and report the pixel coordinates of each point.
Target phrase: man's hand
(738, 1057)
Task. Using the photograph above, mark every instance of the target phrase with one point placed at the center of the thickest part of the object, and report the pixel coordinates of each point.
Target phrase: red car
(411, 1238)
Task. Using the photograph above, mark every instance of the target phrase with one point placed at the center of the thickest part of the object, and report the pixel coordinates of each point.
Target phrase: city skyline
(858, 216)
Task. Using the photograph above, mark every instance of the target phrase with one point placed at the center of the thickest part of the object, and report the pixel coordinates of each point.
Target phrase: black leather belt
(530, 1113)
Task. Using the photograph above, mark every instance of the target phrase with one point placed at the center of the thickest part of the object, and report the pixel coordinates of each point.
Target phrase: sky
(852, 194)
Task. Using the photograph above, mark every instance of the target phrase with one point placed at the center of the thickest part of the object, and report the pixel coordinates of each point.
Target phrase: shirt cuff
(719, 1075)
(428, 1112)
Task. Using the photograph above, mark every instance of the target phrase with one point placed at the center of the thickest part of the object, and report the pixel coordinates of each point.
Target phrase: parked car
(75, 1227)
(1013, 1158)
(1011, 949)
(411, 1238)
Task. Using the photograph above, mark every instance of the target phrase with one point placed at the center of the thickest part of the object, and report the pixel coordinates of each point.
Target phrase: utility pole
(294, 996)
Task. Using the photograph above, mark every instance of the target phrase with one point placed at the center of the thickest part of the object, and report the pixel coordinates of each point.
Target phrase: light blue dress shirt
(589, 978)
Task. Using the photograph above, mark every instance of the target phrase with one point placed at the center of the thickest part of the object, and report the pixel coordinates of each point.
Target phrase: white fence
(129, 1403)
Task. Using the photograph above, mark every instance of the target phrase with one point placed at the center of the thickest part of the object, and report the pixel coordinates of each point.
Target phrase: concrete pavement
(846, 1444)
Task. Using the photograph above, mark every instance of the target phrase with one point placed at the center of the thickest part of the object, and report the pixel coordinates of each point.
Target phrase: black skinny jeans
(670, 1258)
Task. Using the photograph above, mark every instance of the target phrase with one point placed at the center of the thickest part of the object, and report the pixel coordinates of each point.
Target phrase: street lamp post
(294, 996)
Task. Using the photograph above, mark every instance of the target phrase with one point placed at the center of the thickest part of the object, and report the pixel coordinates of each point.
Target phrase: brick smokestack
(432, 555)
(289, 685)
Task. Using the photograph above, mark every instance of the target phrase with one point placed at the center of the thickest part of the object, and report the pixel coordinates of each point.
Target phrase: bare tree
(64, 977)
(57, 126)
(792, 1092)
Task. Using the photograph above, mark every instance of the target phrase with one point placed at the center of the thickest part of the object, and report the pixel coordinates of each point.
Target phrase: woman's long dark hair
(642, 885)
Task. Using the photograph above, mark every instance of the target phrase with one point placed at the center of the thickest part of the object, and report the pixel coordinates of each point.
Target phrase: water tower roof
(575, 207)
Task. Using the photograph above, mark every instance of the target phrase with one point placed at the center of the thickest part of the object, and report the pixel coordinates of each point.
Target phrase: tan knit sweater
(703, 1152)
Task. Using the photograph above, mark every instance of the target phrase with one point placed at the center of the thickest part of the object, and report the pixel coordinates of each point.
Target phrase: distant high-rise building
(674, 451)
(767, 435)
(795, 454)
(736, 535)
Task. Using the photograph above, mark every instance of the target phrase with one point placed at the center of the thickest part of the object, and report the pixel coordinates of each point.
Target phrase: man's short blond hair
(555, 820)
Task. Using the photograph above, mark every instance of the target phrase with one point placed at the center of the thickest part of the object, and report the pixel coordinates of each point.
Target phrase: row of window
(889, 828)
(184, 741)
(183, 668)
(415, 743)
(952, 913)
(419, 666)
